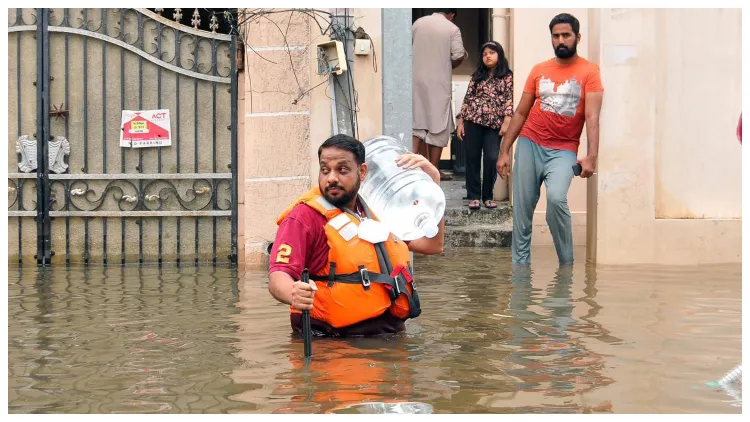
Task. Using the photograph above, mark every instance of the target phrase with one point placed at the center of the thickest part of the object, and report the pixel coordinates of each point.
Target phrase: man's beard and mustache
(563, 52)
(344, 197)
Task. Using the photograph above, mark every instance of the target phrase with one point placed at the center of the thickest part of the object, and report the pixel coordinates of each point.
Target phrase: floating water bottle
(409, 202)
(385, 408)
(732, 377)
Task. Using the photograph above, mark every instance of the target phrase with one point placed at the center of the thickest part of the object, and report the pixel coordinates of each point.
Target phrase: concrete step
(481, 228)
(463, 216)
(479, 235)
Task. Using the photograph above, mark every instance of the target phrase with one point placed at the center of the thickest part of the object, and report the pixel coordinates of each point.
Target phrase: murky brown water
(609, 340)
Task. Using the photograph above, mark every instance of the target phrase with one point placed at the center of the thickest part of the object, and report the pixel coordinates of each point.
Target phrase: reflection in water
(491, 339)
(346, 372)
(119, 340)
(549, 357)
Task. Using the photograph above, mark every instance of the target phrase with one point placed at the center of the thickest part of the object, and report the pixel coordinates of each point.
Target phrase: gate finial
(196, 19)
(214, 25)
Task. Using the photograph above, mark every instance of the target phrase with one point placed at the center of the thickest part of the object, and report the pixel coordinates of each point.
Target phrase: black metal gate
(75, 194)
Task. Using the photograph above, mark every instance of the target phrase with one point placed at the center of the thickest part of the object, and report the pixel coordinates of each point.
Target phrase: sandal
(490, 204)
(474, 204)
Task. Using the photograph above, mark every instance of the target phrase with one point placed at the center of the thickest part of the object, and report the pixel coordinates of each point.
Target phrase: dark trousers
(482, 149)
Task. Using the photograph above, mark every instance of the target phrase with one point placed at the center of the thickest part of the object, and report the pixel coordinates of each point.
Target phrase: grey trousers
(532, 166)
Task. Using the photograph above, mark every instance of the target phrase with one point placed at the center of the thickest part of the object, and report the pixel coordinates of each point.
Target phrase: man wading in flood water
(352, 293)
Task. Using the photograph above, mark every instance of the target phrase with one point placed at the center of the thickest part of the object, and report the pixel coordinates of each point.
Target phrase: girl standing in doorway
(484, 119)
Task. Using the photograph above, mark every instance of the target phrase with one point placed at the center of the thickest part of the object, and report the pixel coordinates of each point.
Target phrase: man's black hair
(565, 18)
(346, 143)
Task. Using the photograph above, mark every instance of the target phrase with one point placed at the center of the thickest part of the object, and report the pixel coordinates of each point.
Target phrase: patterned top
(488, 102)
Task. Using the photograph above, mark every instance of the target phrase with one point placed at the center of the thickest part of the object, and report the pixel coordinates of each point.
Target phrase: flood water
(490, 340)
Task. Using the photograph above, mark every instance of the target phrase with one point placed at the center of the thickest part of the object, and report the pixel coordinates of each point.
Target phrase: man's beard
(344, 198)
(562, 52)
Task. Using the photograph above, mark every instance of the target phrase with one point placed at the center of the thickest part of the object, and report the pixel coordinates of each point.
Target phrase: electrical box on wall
(331, 58)
(362, 47)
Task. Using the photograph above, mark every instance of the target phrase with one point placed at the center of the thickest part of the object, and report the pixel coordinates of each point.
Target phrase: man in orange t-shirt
(560, 95)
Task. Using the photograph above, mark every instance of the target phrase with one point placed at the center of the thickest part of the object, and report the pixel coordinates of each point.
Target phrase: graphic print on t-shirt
(564, 100)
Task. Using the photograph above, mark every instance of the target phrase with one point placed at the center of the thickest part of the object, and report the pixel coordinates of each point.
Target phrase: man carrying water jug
(357, 287)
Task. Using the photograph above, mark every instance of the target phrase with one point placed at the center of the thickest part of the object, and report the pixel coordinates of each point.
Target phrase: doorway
(476, 29)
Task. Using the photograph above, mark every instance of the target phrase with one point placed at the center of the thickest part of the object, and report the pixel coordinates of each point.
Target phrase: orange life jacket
(361, 280)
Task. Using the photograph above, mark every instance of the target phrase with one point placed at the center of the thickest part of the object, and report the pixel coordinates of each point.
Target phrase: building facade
(251, 103)
(664, 192)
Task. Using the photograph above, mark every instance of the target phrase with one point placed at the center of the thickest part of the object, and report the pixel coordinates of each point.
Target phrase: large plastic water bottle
(407, 201)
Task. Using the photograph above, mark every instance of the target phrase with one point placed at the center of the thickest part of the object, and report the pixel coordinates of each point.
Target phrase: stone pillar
(397, 69)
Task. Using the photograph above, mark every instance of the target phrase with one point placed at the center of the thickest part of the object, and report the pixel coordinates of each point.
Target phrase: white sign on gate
(145, 128)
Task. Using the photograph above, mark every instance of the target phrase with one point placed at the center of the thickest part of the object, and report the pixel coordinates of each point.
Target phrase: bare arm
(427, 246)
(516, 123)
(289, 253)
(592, 108)
(280, 285)
(591, 112)
(286, 290)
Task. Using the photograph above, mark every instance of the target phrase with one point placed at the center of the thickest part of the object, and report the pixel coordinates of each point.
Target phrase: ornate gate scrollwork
(91, 200)
(59, 149)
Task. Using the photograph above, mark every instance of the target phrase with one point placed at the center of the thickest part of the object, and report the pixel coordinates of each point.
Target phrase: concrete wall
(281, 138)
(275, 158)
(668, 188)
(530, 44)
(368, 83)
